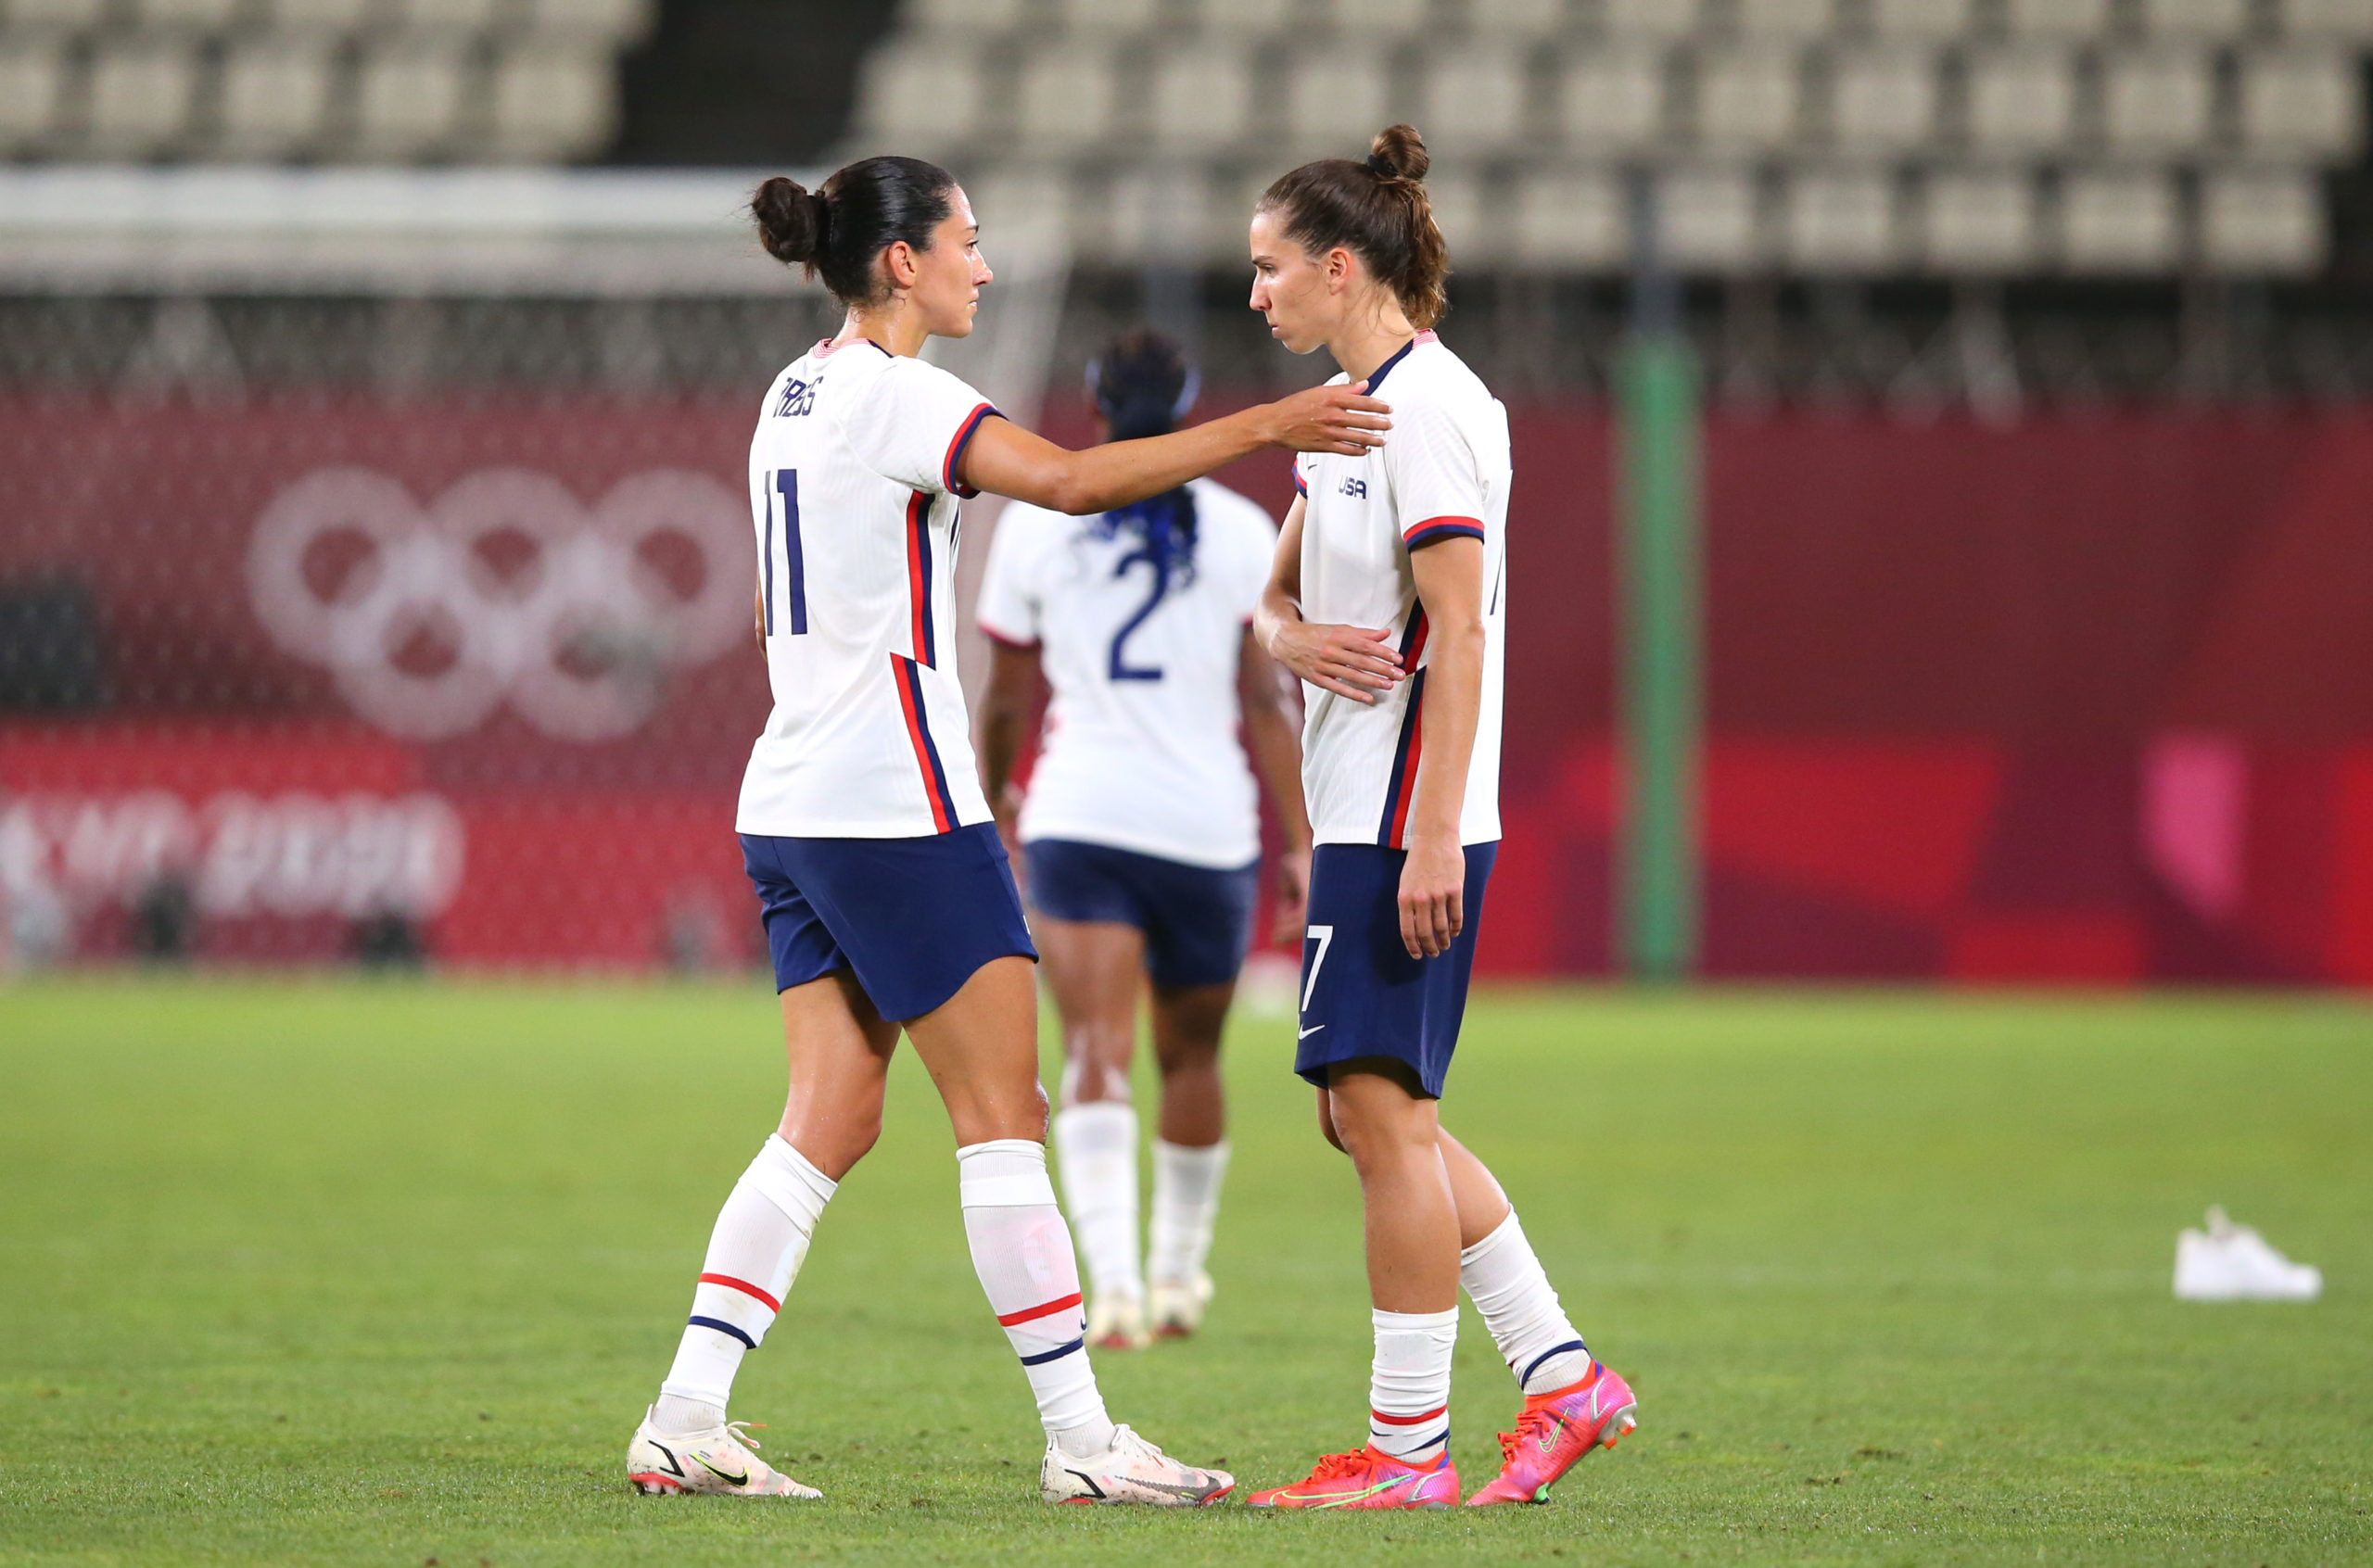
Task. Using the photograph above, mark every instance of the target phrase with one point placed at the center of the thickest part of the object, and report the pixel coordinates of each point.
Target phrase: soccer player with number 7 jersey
(888, 902)
(1389, 598)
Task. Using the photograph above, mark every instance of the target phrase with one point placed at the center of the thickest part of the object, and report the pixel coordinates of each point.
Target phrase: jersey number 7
(786, 484)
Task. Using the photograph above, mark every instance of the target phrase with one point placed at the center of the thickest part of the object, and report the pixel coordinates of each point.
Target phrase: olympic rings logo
(506, 589)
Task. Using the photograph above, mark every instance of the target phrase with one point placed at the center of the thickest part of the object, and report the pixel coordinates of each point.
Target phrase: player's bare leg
(1372, 1111)
(1095, 969)
(981, 1047)
(1190, 1156)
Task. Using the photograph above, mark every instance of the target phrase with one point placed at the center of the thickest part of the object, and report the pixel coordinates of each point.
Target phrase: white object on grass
(2229, 1262)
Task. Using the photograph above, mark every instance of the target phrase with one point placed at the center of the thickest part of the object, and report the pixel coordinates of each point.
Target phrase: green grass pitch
(331, 1271)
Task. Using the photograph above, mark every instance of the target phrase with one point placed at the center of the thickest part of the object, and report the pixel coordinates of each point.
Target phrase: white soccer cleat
(1118, 1322)
(722, 1460)
(1175, 1309)
(1131, 1471)
(2229, 1262)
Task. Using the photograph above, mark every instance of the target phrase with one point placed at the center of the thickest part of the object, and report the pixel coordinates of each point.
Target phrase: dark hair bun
(791, 220)
(1398, 153)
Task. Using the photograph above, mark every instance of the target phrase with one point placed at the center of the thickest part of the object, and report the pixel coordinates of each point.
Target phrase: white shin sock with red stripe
(1022, 1252)
(755, 1253)
(1535, 1337)
(1409, 1384)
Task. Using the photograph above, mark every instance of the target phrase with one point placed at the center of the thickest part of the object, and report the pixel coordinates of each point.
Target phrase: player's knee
(1326, 1128)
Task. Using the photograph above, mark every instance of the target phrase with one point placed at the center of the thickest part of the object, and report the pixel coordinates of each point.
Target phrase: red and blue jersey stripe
(1402, 788)
(923, 626)
(909, 676)
(1434, 530)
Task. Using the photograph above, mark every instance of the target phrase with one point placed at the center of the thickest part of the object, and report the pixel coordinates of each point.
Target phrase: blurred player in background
(1389, 598)
(887, 898)
(1141, 832)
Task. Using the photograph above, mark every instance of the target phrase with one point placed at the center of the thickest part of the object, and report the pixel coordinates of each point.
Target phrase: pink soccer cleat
(1555, 1430)
(1367, 1479)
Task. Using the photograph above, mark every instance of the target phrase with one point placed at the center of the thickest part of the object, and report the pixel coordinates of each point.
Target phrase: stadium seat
(2204, 22)
(613, 23)
(321, 16)
(1469, 220)
(1748, 100)
(26, 18)
(1786, 20)
(1163, 213)
(2157, 100)
(2262, 222)
(2059, 20)
(552, 99)
(1474, 104)
(1109, 17)
(140, 96)
(1708, 219)
(1376, 21)
(2301, 103)
(2346, 21)
(2021, 100)
(2119, 220)
(1066, 99)
(1920, 21)
(1334, 101)
(32, 80)
(275, 95)
(184, 16)
(1883, 99)
(1239, 18)
(1656, 21)
(921, 93)
(1611, 100)
(1514, 19)
(1201, 99)
(408, 98)
(1979, 221)
(1841, 221)
(459, 16)
(926, 17)
(1569, 219)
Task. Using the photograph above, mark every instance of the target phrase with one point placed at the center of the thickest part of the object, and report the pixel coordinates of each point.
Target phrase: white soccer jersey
(1441, 473)
(853, 492)
(1140, 751)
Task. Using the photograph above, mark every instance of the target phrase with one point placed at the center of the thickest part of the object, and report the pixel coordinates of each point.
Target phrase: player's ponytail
(837, 230)
(1143, 386)
(1378, 212)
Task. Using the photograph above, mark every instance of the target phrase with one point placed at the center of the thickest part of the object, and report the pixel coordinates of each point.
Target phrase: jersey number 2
(785, 483)
(1118, 667)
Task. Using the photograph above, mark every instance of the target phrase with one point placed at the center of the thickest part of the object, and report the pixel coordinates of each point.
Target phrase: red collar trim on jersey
(1376, 376)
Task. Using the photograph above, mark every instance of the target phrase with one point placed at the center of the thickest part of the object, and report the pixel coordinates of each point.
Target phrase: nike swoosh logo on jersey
(1311, 1031)
(741, 1480)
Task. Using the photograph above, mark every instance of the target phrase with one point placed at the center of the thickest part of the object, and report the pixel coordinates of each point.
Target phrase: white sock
(1096, 1144)
(1409, 1384)
(1023, 1253)
(755, 1253)
(1512, 1291)
(1186, 1206)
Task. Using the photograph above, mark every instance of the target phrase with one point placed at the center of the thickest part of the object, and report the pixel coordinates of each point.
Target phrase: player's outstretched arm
(1354, 662)
(1006, 459)
(1276, 751)
(1433, 879)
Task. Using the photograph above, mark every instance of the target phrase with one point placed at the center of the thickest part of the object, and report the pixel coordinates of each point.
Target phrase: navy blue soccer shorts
(1362, 994)
(913, 918)
(1197, 921)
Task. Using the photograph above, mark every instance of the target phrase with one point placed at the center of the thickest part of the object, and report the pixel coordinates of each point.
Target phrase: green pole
(1659, 576)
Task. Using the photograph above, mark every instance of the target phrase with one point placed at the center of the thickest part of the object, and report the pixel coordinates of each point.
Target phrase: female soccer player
(886, 894)
(1388, 600)
(1141, 831)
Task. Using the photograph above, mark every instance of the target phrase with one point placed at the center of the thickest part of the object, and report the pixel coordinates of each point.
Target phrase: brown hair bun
(792, 221)
(1398, 153)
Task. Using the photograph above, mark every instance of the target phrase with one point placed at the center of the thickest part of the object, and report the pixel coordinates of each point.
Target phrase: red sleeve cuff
(1434, 530)
(1004, 640)
(955, 451)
